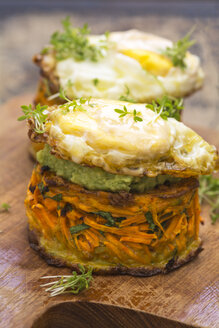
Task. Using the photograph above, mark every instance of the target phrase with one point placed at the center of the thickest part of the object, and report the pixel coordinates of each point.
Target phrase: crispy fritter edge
(116, 270)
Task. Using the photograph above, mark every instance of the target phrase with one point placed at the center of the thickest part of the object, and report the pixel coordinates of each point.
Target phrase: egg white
(116, 72)
(97, 136)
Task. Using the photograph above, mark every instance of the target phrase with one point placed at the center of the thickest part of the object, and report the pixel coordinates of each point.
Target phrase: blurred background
(26, 26)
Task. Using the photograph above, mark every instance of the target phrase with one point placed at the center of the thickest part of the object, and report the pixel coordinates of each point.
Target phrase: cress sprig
(177, 52)
(123, 112)
(72, 105)
(126, 96)
(37, 114)
(5, 207)
(209, 192)
(74, 283)
(74, 42)
(167, 107)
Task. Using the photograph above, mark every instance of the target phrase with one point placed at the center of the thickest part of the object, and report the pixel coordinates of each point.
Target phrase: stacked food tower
(116, 182)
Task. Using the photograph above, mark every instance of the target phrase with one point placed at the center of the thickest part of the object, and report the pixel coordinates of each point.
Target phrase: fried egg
(95, 134)
(133, 61)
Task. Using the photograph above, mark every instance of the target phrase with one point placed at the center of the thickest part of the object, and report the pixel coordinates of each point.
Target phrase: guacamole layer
(94, 178)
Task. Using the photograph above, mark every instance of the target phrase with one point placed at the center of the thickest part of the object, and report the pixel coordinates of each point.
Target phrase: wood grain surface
(186, 297)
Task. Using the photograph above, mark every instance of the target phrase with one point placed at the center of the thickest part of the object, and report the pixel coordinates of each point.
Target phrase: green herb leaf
(209, 193)
(63, 96)
(74, 283)
(107, 216)
(95, 82)
(123, 112)
(37, 114)
(72, 105)
(78, 228)
(43, 188)
(120, 111)
(111, 221)
(126, 96)
(167, 107)
(57, 198)
(136, 117)
(74, 43)
(5, 207)
(107, 34)
(149, 217)
(45, 51)
(177, 52)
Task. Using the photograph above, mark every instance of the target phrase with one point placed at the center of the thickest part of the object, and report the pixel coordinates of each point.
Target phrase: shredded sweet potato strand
(116, 231)
(48, 218)
(84, 244)
(191, 225)
(65, 230)
(154, 212)
(50, 204)
(169, 231)
(132, 220)
(122, 247)
(92, 238)
(135, 239)
(114, 249)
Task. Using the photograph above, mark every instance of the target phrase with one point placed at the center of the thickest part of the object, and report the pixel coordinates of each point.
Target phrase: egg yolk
(152, 62)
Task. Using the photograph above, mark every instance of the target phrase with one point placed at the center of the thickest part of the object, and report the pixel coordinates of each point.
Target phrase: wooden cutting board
(186, 297)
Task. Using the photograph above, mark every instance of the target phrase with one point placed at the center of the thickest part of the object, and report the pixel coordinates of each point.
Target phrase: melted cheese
(97, 136)
(132, 60)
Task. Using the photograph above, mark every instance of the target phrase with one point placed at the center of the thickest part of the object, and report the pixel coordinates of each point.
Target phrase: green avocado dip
(94, 178)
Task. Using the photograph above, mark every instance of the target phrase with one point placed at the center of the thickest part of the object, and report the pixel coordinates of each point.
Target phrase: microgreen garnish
(123, 112)
(63, 96)
(209, 192)
(37, 114)
(45, 51)
(177, 52)
(61, 92)
(95, 82)
(107, 34)
(74, 283)
(74, 43)
(5, 207)
(126, 96)
(72, 105)
(167, 107)
(69, 84)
